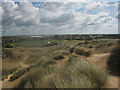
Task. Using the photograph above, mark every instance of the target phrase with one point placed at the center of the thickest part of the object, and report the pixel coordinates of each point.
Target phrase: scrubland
(60, 64)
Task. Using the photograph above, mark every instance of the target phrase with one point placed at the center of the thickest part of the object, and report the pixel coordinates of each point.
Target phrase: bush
(90, 46)
(109, 44)
(113, 62)
(6, 53)
(86, 42)
(65, 52)
(104, 44)
(58, 57)
(100, 45)
(81, 51)
(72, 49)
(8, 45)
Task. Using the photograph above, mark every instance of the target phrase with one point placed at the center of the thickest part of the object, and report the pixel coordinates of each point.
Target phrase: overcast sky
(28, 18)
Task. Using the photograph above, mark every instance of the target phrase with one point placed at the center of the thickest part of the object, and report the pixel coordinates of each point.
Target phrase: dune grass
(77, 73)
(82, 51)
(45, 73)
(113, 62)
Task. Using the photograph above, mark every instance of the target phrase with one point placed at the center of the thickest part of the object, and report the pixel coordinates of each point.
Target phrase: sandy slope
(98, 59)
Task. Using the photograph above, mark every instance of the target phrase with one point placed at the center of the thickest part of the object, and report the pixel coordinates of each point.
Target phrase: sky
(47, 18)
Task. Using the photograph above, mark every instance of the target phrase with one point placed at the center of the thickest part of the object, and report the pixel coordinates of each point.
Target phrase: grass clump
(66, 52)
(8, 45)
(71, 49)
(103, 44)
(81, 51)
(6, 53)
(58, 57)
(90, 46)
(32, 79)
(80, 74)
(9, 54)
(113, 62)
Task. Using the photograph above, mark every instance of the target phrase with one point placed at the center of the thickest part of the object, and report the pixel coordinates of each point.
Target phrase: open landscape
(60, 61)
(60, 44)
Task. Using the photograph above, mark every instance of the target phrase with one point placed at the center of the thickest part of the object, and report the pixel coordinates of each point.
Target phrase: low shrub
(6, 53)
(58, 57)
(65, 52)
(104, 44)
(100, 45)
(86, 42)
(71, 49)
(81, 51)
(8, 45)
(90, 46)
(51, 62)
(113, 62)
(109, 44)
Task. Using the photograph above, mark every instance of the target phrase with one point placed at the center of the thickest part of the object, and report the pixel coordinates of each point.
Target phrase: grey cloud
(51, 18)
(61, 19)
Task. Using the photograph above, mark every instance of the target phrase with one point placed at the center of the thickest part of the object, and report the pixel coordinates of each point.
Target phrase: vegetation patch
(103, 44)
(113, 62)
(33, 79)
(76, 74)
(58, 57)
(71, 49)
(8, 45)
(18, 73)
(81, 51)
(8, 53)
(6, 72)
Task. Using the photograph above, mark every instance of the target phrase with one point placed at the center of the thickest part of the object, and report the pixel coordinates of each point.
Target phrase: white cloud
(54, 18)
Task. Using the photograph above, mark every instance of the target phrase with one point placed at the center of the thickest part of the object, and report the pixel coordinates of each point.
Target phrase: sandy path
(97, 57)
(24, 65)
(100, 61)
(9, 84)
(113, 82)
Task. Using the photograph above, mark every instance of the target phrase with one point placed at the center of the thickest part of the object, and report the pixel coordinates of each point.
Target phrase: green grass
(37, 43)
